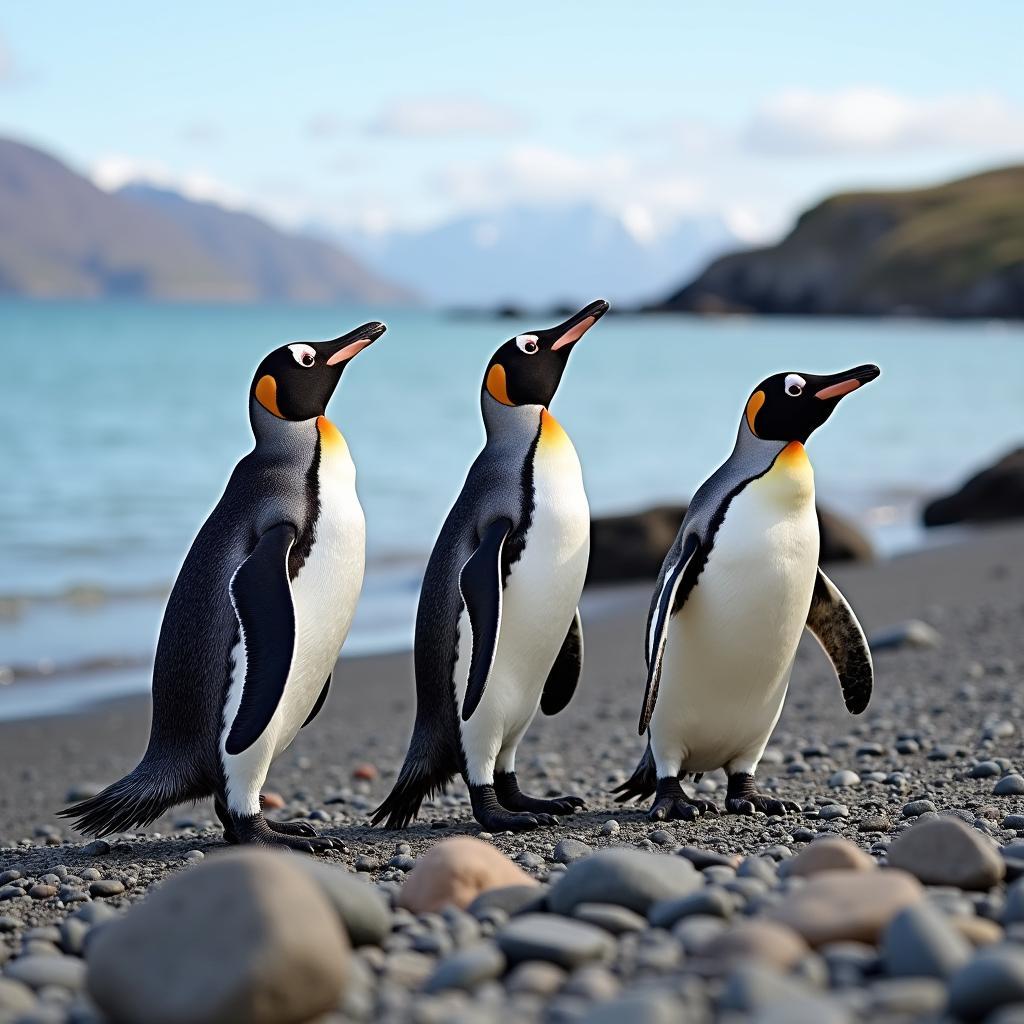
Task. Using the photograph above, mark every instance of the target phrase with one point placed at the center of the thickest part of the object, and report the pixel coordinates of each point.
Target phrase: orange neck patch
(496, 385)
(266, 394)
(551, 431)
(330, 436)
(753, 408)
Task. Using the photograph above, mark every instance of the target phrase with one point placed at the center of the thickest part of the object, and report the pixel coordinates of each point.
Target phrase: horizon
(654, 125)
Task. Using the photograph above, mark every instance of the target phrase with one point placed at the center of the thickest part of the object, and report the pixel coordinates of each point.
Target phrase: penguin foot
(512, 798)
(495, 818)
(671, 803)
(293, 828)
(743, 797)
(257, 831)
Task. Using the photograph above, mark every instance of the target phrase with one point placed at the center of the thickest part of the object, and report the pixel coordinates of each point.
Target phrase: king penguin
(736, 590)
(258, 613)
(498, 632)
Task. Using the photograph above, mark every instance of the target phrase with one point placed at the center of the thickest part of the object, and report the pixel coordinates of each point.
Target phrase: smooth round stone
(360, 906)
(694, 933)
(557, 940)
(844, 779)
(921, 941)
(530, 859)
(1013, 908)
(42, 971)
(711, 901)
(11, 875)
(41, 891)
(832, 811)
(537, 977)
(906, 998)
(760, 989)
(629, 878)
(753, 939)
(610, 827)
(830, 853)
(106, 887)
(1010, 785)
(985, 770)
(702, 860)
(835, 906)
(593, 983)
(761, 868)
(918, 807)
(945, 851)
(97, 848)
(994, 978)
(873, 823)
(510, 899)
(569, 850)
(1014, 821)
(639, 1007)
(15, 999)
(614, 919)
(467, 968)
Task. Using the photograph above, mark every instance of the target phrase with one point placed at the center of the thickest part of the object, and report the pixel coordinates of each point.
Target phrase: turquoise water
(120, 424)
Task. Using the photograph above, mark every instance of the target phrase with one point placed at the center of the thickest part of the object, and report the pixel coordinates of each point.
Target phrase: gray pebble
(555, 939)
(984, 770)
(920, 941)
(653, 1006)
(1014, 821)
(610, 827)
(467, 968)
(1009, 785)
(42, 971)
(831, 811)
(91, 875)
(993, 978)
(529, 859)
(510, 899)
(536, 977)
(593, 983)
(11, 875)
(711, 901)
(916, 808)
(106, 887)
(569, 850)
(617, 920)
(97, 848)
(42, 891)
(15, 999)
(844, 779)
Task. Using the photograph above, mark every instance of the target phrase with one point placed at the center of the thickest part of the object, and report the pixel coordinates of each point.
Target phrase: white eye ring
(795, 385)
(527, 343)
(304, 355)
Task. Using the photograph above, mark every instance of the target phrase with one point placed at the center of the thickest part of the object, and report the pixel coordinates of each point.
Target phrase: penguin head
(791, 406)
(296, 381)
(526, 370)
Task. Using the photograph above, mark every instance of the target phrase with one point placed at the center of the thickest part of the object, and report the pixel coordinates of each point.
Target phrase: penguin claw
(758, 802)
(669, 808)
(739, 806)
(511, 821)
(293, 828)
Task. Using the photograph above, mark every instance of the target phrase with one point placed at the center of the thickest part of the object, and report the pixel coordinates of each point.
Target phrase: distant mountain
(62, 237)
(541, 255)
(954, 250)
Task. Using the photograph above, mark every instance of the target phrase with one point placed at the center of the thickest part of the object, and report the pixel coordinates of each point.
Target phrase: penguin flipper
(836, 628)
(262, 598)
(565, 673)
(678, 583)
(319, 702)
(481, 585)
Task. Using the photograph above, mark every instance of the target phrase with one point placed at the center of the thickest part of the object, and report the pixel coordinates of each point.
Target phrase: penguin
(737, 588)
(258, 614)
(498, 632)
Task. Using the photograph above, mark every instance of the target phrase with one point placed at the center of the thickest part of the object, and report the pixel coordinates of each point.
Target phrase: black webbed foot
(293, 828)
(495, 818)
(512, 798)
(743, 797)
(671, 803)
(255, 830)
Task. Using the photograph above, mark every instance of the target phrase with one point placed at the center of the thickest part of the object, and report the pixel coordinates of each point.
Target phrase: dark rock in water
(993, 494)
(633, 546)
(245, 936)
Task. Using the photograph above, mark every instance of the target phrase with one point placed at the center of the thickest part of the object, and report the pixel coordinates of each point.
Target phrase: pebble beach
(894, 895)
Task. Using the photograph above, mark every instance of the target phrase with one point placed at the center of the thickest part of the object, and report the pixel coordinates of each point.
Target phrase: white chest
(326, 589)
(731, 648)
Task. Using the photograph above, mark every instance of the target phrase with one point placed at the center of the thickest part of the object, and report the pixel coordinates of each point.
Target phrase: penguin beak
(840, 384)
(340, 350)
(566, 335)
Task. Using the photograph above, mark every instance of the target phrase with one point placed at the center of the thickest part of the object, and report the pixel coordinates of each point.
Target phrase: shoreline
(949, 586)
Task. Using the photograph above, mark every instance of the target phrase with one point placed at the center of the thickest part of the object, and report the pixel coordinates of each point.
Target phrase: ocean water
(121, 422)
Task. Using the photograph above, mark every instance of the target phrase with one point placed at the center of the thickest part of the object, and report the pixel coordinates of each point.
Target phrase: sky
(385, 116)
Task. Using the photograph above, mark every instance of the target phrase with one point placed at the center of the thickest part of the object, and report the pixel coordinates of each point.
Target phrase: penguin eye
(304, 355)
(795, 385)
(527, 343)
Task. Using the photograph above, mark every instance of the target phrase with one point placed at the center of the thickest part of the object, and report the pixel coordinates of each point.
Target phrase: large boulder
(456, 872)
(995, 493)
(245, 937)
(632, 546)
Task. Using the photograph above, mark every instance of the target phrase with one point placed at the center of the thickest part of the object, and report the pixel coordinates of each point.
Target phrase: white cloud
(442, 117)
(532, 173)
(873, 120)
(113, 172)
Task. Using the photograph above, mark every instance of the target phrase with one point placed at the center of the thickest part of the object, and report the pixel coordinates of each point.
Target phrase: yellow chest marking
(791, 477)
(553, 437)
(331, 439)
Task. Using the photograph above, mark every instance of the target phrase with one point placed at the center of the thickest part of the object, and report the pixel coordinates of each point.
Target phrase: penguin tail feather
(642, 783)
(135, 801)
(417, 781)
